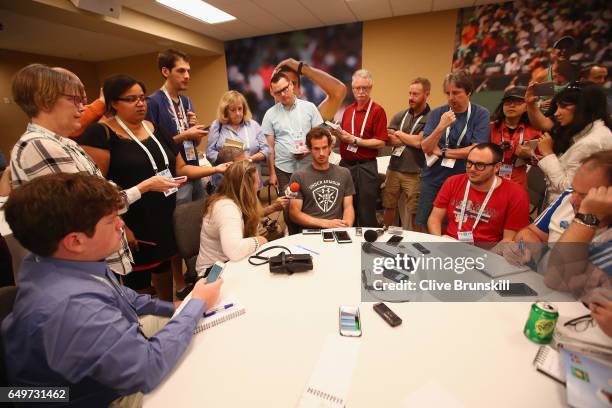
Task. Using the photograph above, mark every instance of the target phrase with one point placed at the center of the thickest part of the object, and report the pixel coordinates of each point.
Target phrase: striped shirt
(40, 151)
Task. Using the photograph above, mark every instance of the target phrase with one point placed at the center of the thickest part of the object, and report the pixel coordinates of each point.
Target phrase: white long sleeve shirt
(560, 170)
(222, 237)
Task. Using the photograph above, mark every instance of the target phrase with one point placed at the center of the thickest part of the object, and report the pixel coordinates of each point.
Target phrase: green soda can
(541, 322)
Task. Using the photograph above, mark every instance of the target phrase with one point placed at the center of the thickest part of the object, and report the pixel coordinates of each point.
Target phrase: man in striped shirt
(578, 224)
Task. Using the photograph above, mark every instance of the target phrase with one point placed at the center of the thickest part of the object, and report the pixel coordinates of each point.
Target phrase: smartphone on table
(328, 236)
(394, 240)
(349, 321)
(342, 237)
(517, 289)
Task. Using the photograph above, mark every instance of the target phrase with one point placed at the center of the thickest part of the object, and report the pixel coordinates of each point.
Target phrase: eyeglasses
(133, 98)
(77, 99)
(282, 91)
(478, 165)
(362, 88)
(581, 323)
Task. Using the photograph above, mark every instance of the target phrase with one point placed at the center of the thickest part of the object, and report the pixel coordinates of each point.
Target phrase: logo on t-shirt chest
(325, 197)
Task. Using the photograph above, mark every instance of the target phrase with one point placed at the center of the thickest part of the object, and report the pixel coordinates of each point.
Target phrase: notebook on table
(548, 361)
(589, 380)
(221, 315)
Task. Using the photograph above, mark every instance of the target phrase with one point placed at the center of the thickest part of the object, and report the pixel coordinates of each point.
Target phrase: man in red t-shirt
(364, 132)
(481, 207)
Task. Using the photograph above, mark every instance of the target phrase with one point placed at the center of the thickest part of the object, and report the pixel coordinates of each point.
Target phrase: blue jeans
(426, 200)
(189, 191)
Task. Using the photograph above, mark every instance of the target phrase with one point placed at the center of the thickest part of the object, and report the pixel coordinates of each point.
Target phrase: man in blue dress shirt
(72, 324)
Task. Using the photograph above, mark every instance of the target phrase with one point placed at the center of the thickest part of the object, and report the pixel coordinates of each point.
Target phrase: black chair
(187, 227)
(536, 188)
(7, 299)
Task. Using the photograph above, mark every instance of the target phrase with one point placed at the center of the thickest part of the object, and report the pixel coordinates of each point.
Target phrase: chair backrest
(536, 188)
(7, 299)
(187, 227)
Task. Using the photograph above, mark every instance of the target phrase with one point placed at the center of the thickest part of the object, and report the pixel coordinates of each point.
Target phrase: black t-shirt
(150, 218)
(411, 159)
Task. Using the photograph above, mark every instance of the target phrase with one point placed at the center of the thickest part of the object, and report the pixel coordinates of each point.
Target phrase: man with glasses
(167, 108)
(285, 125)
(363, 133)
(449, 135)
(577, 223)
(480, 206)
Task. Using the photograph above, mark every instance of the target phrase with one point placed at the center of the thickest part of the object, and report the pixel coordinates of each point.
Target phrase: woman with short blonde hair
(231, 216)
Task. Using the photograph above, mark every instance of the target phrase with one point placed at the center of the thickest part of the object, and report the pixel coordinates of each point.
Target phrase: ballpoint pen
(214, 310)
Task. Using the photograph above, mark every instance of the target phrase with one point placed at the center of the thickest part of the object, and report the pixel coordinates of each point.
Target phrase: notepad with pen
(224, 310)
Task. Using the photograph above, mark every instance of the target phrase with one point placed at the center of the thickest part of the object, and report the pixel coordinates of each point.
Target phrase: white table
(475, 351)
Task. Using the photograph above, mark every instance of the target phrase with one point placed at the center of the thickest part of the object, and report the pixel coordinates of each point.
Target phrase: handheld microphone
(292, 190)
(369, 248)
(372, 235)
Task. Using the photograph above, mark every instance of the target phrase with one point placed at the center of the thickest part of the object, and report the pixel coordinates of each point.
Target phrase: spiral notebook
(219, 317)
(548, 361)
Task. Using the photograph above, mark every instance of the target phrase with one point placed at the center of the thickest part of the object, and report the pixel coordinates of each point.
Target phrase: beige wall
(12, 118)
(396, 50)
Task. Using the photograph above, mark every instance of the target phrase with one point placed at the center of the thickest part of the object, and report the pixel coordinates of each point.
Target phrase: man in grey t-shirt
(325, 196)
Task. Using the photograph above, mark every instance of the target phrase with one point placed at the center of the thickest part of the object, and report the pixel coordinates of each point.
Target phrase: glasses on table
(581, 323)
(76, 99)
(478, 165)
(133, 98)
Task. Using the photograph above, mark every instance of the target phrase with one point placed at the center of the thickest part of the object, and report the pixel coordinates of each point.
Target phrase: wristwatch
(355, 140)
(444, 152)
(588, 220)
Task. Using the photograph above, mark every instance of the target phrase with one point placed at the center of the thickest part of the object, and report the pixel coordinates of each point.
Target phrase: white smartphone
(311, 231)
(180, 179)
(333, 125)
(349, 321)
(342, 237)
(215, 272)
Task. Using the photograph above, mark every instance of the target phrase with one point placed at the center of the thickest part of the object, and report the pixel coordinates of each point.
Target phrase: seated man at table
(571, 218)
(72, 325)
(480, 206)
(325, 196)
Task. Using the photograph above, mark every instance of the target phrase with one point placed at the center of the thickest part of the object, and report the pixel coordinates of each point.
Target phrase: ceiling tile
(366, 10)
(330, 12)
(404, 7)
(451, 4)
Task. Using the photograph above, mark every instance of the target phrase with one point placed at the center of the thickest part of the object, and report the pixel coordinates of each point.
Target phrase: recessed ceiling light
(198, 9)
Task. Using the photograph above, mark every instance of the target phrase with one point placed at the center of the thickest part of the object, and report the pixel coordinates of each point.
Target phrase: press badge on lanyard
(299, 143)
(506, 169)
(351, 147)
(450, 163)
(468, 236)
(164, 173)
(397, 151)
(181, 126)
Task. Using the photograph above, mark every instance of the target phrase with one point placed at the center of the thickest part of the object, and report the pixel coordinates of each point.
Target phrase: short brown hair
(43, 211)
(424, 83)
(37, 87)
(603, 160)
(229, 98)
(318, 132)
(277, 77)
(229, 154)
(168, 58)
(461, 79)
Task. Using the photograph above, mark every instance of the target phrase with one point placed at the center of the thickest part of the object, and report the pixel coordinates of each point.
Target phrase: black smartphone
(544, 89)
(328, 236)
(394, 275)
(517, 289)
(387, 314)
(394, 240)
(421, 248)
(342, 237)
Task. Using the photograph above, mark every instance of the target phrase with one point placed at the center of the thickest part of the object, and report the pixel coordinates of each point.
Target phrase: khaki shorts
(407, 183)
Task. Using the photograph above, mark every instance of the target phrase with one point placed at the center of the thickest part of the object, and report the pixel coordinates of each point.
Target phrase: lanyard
(521, 134)
(482, 207)
(134, 138)
(288, 121)
(180, 127)
(365, 119)
(467, 119)
(401, 128)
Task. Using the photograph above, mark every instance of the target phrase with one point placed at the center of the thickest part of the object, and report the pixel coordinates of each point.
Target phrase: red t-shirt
(507, 209)
(375, 128)
(519, 173)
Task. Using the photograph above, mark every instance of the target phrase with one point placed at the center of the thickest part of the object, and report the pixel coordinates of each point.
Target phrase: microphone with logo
(292, 190)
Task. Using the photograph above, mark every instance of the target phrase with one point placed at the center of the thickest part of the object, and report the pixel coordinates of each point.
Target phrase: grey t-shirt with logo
(323, 191)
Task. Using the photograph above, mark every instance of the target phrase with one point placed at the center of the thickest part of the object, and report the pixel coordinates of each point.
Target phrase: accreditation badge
(505, 171)
(166, 173)
(190, 151)
(466, 236)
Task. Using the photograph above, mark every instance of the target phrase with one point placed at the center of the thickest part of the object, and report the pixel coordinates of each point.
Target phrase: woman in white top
(231, 216)
(582, 128)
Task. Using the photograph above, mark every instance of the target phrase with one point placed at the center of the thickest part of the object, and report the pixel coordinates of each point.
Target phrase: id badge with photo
(190, 151)
(450, 163)
(397, 151)
(166, 173)
(505, 171)
(465, 236)
(300, 147)
(352, 148)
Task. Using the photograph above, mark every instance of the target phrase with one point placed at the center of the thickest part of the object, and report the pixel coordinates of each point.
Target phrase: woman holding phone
(581, 127)
(128, 149)
(511, 130)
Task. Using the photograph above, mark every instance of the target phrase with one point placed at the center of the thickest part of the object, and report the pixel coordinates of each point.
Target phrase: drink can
(541, 322)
